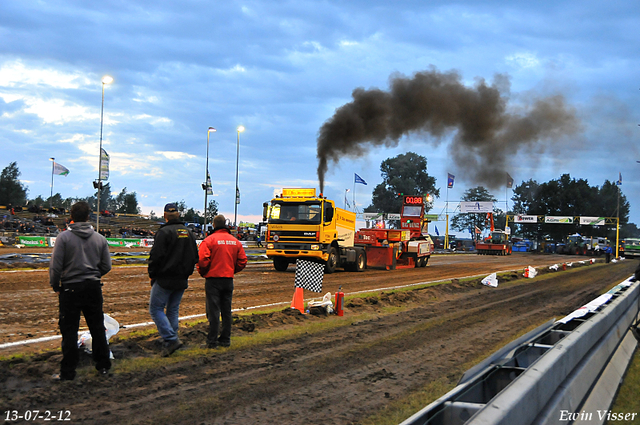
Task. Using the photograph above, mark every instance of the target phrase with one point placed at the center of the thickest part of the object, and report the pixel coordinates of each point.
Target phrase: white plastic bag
(111, 327)
(326, 303)
(530, 272)
(491, 280)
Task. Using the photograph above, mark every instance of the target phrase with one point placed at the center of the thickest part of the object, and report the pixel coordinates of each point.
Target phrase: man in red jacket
(220, 257)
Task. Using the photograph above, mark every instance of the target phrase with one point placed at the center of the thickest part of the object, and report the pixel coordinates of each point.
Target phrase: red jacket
(221, 255)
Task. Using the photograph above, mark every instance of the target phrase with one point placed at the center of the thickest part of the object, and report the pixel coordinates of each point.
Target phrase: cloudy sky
(282, 69)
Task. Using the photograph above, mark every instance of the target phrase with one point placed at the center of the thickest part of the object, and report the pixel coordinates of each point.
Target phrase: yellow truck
(301, 224)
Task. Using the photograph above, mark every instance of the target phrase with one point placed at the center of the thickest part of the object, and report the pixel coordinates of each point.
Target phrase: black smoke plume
(486, 132)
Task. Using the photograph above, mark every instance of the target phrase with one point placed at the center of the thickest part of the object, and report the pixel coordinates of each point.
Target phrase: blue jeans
(160, 299)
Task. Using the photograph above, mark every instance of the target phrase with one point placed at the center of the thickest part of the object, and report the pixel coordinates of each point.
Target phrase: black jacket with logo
(173, 256)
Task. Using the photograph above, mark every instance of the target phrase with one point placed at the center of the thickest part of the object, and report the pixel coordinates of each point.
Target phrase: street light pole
(105, 80)
(235, 213)
(53, 166)
(205, 186)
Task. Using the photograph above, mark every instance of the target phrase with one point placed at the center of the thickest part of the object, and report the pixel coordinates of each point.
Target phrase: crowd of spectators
(37, 209)
(14, 220)
(25, 226)
(135, 231)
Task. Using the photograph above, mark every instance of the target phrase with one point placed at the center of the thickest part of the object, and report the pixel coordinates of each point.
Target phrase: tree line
(566, 196)
(14, 193)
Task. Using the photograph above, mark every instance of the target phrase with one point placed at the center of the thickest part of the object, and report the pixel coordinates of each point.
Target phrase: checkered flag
(309, 275)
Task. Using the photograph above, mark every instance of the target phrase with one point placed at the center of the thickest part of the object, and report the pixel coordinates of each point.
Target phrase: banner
(124, 242)
(558, 220)
(372, 216)
(476, 207)
(104, 165)
(393, 216)
(59, 169)
(592, 221)
(525, 219)
(209, 188)
(32, 240)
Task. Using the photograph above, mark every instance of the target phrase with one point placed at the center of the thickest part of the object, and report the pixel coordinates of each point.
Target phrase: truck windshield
(300, 213)
(411, 210)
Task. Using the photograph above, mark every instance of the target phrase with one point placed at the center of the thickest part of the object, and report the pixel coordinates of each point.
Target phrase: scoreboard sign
(413, 200)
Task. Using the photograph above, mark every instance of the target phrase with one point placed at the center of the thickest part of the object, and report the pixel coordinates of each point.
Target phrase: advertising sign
(558, 219)
(525, 219)
(476, 207)
(122, 242)
(32, 240)
(592, 221)
(372, 216)
(299, 193)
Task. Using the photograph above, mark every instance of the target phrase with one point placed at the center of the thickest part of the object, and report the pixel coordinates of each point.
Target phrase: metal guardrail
(550, 375)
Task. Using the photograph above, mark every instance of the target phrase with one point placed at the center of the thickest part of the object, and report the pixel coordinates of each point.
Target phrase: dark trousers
(85, 298)
(219, 292)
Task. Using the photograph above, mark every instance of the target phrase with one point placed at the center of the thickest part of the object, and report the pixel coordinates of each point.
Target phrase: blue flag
(450, 179)
(437, 233)
(359, 179)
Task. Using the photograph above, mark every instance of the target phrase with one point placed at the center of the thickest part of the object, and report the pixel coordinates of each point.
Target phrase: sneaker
(103, 373)
(224, 344)
(170, 347)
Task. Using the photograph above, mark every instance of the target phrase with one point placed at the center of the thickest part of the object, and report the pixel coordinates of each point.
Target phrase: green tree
(107, 203)
(191, 216)
(126, 203)
(12, 192)
(212, 210)
(407, 174)
(569, 197)
(464, 222)
(54, 201)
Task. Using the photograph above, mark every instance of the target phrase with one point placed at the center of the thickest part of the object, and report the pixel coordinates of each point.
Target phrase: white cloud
(175, 155)
(16, 74)
(153, 120)
(57, 111)
(523, 60)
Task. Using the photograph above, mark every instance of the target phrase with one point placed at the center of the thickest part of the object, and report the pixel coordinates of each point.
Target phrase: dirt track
(340, 376)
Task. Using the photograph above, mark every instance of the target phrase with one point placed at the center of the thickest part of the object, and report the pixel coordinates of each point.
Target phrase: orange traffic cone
(298, 300)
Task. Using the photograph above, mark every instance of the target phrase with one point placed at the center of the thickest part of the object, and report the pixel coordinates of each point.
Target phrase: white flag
(59, 169)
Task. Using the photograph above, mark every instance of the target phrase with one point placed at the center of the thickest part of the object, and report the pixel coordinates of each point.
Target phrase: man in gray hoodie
(80, 258)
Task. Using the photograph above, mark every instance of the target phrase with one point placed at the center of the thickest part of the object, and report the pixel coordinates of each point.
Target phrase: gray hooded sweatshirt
(80, 254)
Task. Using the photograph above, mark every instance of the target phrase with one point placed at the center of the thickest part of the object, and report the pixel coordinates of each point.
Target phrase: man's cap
(170, 207)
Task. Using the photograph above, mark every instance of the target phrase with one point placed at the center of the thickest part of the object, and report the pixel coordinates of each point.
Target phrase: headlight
(315, 247)
(270, 246)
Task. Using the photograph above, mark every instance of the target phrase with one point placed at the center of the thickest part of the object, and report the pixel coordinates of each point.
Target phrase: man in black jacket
(171, 261)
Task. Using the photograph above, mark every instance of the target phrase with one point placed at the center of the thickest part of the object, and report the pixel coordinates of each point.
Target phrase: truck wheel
(332, 261)
(425, 260)
(280, 264)
(361, 262)
(417, 262)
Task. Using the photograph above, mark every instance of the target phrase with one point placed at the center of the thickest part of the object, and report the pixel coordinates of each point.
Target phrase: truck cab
(303, 225)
